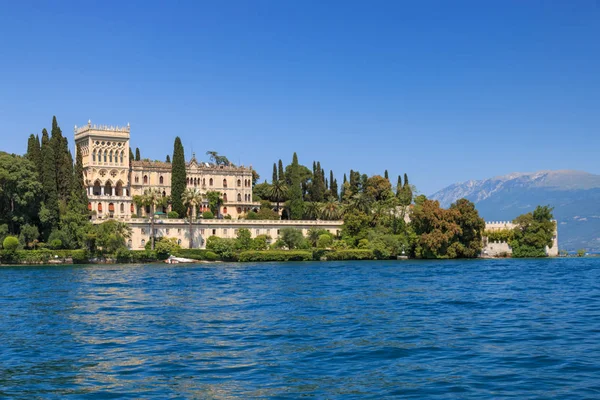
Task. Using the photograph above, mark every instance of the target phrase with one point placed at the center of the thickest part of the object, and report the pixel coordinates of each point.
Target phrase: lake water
(455, 329)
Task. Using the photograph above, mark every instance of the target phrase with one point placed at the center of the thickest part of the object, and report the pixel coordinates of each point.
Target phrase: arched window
(145, 179)
(187, 181)
(94, 156)
(195, 181)
(239, 182)
(99, 207)
(111, 207)
(164, 194)
(225, 183)
(110, 157)
(161, 180)
(224, 210)
(203, 181)
(131, 208)
(122, 208)
(225, 197)
(210, 182)
(137, 179)
(239, 197)
(105, 155)
(143, 243)
(121, 157)
(239, 210)
(89, 206)
(129, 243)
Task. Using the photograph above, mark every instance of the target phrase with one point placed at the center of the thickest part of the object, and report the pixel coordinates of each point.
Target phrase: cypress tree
(50, 214)
(131, 157)
(274, 178)
(295, 191)
(318, 184)
(281, 171)
(385, 175)
(407, 189)
(178, 177)
(399, 186)
(79, 197)
(168, 159)
(330, 179)
(334, 189)
(137, 154)
(34, 153)
(63, 160)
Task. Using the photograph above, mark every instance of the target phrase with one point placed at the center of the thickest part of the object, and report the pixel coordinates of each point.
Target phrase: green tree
(151, 198)
(168, 159)
(277, 192)
(280, 171)
(378, 188)
(333, 186)
(131, 156)
(534, 232)
(469, 239)
(34, 152)
(295, 192)
(292, 238)
(10, 243)
(325, 241)
(20, 192)
(215, 201)
(49, 213)
(178, 176)
(63, 162)
(243, 240)
(192, 198)
(137, 154)
(111, 235)
(436, 229)
(274, 177)
(29, 236)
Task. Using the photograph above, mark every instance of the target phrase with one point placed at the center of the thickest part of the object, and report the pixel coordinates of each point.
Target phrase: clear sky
(445, 91)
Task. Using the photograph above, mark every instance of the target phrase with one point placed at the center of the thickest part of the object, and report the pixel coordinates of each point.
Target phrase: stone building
(112, 179)
(495, 249)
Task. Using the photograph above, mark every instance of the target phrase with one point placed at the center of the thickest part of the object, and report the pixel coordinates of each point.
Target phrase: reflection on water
(324, 330)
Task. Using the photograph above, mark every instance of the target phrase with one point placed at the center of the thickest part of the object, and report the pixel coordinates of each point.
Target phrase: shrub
(225, 248)
(172, 214)
(166, 246)
(10, 243)
(208, 215)
(197, 254)
(55, 244)
(325, 241)
(275, 255)
(134, 216)
(228, 216)
(123, 255)
(351, 254)
(139, 256)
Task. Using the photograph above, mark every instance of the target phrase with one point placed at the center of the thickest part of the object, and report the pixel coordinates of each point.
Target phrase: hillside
(575, 196)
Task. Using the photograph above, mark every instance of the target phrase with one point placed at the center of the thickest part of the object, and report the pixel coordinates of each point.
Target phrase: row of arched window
(108, 156)
(198, 181)
(111, 208)
(161, 180)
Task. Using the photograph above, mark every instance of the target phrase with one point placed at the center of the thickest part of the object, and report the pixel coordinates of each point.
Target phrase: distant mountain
(575, 196)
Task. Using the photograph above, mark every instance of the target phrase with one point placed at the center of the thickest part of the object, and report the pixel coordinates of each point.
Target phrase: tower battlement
(101, 130)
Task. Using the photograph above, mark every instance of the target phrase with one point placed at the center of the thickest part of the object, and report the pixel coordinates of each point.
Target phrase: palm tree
(330, 210)
(312, 209)
(192, 198)
(361, 202)
(277, 192)
(151, 198)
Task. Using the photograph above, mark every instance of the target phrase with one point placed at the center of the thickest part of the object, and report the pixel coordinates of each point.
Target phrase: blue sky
(444, 91)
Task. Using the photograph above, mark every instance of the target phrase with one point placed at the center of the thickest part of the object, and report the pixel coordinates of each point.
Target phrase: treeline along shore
(45, 215)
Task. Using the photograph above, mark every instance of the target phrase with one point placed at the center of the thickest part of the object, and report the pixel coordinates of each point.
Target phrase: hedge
(42, 256)
(275, 255)
(350, 254)
(197, 254)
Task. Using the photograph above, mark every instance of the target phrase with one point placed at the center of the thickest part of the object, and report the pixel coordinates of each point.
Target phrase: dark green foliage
(43, 256)
(131, 156)
(173, 214)
(197, 254)
(274, 177)
(385, 175)
(79, 198)
(292, 238)
(208, 215)
(49, 214)
(34, 152)
(168, 159)
(64, 162)
(275, 255)
(471, 229)
(137, 154)
(178, 176)
(261, 191)
(534, 231)
(280, 171)
(296, 202)
(215, 201)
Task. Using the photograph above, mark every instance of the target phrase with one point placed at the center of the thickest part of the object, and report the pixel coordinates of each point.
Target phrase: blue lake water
(454, 329)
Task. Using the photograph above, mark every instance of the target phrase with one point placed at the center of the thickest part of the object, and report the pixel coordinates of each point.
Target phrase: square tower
(105, 154)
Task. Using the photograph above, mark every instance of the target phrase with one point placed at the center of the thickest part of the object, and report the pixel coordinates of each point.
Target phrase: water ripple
(456, 329)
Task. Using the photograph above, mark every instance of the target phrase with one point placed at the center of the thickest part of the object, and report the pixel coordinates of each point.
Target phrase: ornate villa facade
(112, 179)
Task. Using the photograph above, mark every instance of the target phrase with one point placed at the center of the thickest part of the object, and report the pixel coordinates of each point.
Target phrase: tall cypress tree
(63, 160)
(49, 214)
(137, 154)
(333, 187)
(274, 178)
(34, 153)
(178, 178)
(399, 186)
(385, 175)
(408, 190)
(281, 171)
(295, 190)
(79, 197)
(318, 184)
(131, 156)
(168, 159)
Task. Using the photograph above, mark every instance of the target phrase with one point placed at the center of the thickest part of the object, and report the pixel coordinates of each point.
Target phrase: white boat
(177, 260)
